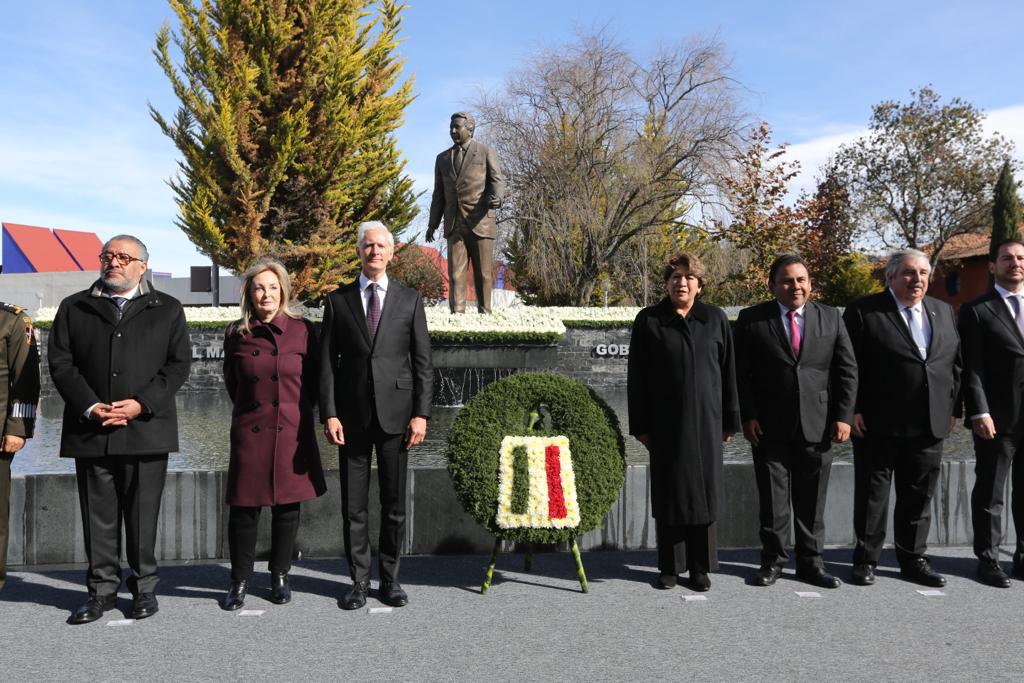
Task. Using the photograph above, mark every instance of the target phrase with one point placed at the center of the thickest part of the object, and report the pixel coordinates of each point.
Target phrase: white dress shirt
(921, 315)
(364, 288)
(799, 321)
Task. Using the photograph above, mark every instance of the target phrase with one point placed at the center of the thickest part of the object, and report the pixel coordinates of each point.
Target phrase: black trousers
(995, 460)
(5, 511)
(243, 530)
(118, 489)
(684, 547)
(354, 466)
(915, 463)
(792, 474)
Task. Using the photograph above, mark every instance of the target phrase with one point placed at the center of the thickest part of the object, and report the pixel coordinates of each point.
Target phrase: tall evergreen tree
(286, 129)
(1006, 213)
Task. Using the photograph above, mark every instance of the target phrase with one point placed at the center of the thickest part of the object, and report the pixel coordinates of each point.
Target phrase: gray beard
(116, 286)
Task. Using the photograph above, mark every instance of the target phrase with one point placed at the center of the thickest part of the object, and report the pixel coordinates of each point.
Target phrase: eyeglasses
(122, 258)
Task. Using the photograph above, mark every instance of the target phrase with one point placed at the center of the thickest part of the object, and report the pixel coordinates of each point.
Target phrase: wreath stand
(528, 565)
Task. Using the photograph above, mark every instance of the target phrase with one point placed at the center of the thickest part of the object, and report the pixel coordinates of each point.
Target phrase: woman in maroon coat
(270, 369)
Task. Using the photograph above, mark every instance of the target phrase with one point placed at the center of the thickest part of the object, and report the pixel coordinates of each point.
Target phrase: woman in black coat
(270, 371)
(682, 405)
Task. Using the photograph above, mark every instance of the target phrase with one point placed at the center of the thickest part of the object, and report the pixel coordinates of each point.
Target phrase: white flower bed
(544, 319)
(520, 319)
(624, 314)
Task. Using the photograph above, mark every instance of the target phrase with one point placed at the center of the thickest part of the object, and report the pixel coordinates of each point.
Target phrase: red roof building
(31, 249)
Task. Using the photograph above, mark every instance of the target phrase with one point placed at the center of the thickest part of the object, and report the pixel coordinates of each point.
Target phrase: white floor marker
(120, 622)
(931, 593)
(251, 613)
(695, 598)
(379, 610)
(808, 594)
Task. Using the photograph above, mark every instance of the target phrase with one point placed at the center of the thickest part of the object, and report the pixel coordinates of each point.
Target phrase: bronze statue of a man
(467, 189)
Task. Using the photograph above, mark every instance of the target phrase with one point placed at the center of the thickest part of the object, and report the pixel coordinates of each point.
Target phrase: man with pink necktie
(797, 379)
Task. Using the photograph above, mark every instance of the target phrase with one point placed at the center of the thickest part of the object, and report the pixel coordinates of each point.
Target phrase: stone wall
(595, 357)
(46, 525)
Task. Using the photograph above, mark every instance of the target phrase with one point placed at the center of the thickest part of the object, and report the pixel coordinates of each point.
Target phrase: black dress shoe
(280, 591)
(862, 575)
(92, 609)
(767, 575)
(391, 593)
(699, 581)
(235, 599)
(991, 574)
(920, 571)
(356, 597)
(817, 576)
(666, 581)
(144, 605)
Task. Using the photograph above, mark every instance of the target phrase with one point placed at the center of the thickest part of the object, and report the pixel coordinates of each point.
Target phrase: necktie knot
(120, 301)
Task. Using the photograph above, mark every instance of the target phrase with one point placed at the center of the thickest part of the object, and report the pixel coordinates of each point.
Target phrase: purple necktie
(373, 310)
(794, 333)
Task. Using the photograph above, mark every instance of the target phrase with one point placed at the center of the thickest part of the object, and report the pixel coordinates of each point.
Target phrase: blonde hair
(244, 326)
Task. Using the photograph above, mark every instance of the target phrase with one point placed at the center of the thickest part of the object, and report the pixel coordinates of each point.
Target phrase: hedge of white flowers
(513, 324)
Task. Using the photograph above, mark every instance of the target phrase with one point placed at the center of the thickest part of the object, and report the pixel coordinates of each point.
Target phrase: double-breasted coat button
(275, 403)
(274, 352)
(273, 378)
(256, 352)
(114, 373)
(118, 334)
(280, 428)
(256, 428)
(255, 379)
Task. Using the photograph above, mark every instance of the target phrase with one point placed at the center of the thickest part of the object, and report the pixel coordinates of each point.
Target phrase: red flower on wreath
(556, 499)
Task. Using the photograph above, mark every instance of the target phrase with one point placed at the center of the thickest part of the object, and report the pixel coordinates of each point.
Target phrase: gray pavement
(530, 626)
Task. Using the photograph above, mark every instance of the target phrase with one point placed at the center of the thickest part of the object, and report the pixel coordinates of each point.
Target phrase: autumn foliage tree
(761, 224)
(286, 129)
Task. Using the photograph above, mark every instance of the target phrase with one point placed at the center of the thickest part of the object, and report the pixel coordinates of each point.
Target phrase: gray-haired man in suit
(468, 187)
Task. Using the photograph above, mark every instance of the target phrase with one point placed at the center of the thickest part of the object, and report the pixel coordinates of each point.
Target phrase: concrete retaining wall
(46, 525)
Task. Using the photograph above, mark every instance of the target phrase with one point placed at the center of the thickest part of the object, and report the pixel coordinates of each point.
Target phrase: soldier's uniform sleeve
(22, 370)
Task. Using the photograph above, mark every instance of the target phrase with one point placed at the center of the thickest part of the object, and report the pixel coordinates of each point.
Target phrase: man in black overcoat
(797, 379)
(376, 386)
(118, 352)
(992, 336)
(908, 359)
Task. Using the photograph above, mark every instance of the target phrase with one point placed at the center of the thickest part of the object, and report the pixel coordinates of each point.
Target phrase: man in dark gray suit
(908, 360)
(992, 335)
(797, 378)
(376, 386)
(468, 187)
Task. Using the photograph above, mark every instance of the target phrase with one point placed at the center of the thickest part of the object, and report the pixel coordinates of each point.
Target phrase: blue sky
(79, 151)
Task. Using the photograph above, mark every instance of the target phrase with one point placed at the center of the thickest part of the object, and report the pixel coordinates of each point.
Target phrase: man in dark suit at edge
(376, 386)
(798, 381)
(908, 358)
(992, 337)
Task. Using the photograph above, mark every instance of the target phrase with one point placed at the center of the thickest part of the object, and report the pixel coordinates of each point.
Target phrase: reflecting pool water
(204, 419)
